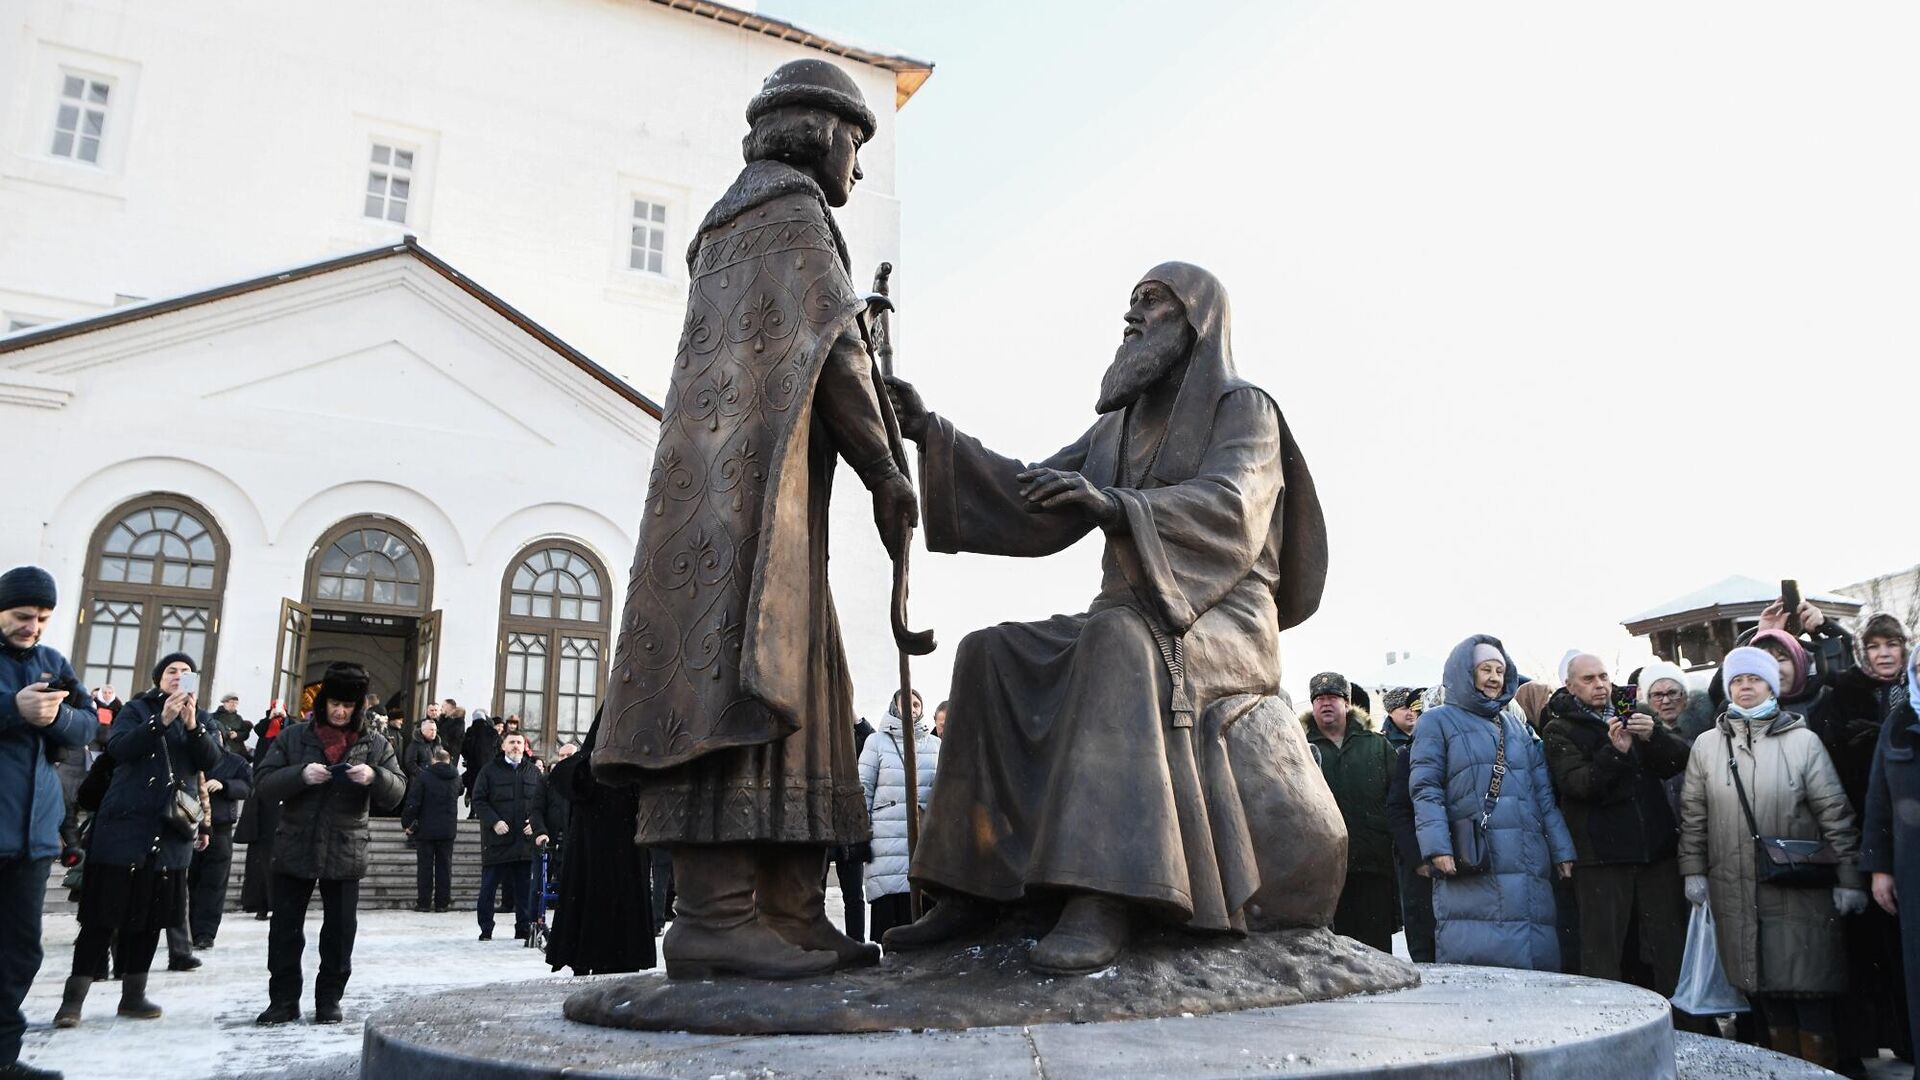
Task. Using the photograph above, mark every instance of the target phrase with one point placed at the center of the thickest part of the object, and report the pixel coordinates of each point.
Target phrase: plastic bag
(1704, 989)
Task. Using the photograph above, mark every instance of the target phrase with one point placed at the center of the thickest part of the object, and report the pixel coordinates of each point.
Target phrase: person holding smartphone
(42, 705)
(327, 773)
(138, 856)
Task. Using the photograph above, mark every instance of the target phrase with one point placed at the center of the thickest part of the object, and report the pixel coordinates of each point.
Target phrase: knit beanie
(168, 661)
(1786, 643)
(1747, 660)
(26, 586)
(1658, 671)
(1484, 652)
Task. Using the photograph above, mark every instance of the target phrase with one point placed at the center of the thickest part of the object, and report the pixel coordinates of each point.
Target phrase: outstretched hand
(1054, 491)
(908, 408)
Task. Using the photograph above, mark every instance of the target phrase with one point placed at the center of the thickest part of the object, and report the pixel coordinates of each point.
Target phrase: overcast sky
(1572, 308)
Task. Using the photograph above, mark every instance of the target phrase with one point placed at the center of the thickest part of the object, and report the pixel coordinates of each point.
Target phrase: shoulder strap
(1499, 770)
(1733, 764)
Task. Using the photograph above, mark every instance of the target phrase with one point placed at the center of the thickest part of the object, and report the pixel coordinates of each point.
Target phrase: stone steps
(390, 871)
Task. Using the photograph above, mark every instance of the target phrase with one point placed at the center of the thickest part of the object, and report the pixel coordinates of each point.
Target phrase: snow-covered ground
(208, 1029)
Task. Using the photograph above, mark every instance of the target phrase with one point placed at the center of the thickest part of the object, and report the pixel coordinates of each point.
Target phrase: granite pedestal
(1460, 1024)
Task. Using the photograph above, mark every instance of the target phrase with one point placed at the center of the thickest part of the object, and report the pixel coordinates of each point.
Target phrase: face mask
(1766, 710)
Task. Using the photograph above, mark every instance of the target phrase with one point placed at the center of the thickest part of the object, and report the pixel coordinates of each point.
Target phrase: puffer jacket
(1505, 917)
(322, 832)
(132, 819)
(1773, 940)
(31, 801)
(883, 773)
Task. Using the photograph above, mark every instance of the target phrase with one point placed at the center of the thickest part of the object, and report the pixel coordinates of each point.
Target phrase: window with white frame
(80, 119)
(648, 248)
(389, 183)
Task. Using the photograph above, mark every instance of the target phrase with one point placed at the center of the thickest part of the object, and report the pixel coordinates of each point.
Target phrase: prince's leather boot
(715, 932)
(791, 894)
(1090, 934)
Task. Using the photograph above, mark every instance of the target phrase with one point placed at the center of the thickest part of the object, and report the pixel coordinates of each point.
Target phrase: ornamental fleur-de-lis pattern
(769, 290)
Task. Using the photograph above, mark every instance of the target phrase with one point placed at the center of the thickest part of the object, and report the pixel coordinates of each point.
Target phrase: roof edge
(909, 75)
(409, 245)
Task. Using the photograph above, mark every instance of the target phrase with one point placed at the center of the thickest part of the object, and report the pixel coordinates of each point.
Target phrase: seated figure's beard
(1139, 364)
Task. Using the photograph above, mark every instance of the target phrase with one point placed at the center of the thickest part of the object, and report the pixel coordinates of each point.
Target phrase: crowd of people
(1578, 825)
(1583, 824)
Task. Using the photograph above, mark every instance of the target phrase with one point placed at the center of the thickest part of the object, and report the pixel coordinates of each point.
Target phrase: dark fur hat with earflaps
(342, 682)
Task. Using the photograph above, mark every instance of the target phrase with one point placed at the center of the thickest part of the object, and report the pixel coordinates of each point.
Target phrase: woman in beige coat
(1782, 945)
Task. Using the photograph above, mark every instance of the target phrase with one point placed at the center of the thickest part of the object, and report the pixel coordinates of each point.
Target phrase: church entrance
(368, 590)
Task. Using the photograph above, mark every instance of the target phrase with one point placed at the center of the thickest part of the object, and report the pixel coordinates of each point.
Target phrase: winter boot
(133, 998)
(1821, 1050)
(71, 999)
(717, 933)
(1091, 932)
(956, 915)
(327, 1012)
(280, 1012)
(791, 894)
(20, 1070)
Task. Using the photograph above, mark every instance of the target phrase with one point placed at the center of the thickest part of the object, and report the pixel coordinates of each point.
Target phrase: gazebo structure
(1699, 629)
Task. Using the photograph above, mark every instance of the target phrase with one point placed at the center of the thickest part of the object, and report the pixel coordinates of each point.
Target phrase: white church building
(274, 417)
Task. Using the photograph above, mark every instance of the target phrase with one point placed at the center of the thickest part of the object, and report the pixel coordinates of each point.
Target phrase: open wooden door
(290, 654)
(426, 664)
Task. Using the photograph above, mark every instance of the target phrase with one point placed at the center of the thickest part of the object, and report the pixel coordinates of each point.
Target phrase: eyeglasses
(1666, 695)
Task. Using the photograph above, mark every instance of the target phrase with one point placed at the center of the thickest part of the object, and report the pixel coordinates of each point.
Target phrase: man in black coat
(326, 773)
(234, 729)
(431, 818)
(478, 747)
(1414, 877)
(229, 783)
(1610, 765)
(418, 755)
(510, 798)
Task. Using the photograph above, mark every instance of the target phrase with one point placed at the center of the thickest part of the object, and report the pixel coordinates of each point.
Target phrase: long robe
(729, 705)
(1072, 757)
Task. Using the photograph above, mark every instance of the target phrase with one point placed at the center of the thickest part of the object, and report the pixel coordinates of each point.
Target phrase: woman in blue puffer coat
(1503, 917)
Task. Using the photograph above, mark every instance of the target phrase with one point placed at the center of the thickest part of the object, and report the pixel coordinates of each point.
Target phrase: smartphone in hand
(190, 682)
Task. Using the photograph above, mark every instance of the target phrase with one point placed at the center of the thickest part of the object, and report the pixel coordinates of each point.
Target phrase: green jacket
(1357, 771)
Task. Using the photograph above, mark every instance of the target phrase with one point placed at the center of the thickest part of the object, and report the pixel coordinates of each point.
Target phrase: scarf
(334, 740)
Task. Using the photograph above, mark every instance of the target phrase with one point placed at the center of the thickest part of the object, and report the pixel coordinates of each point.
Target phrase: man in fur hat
(326, 773)
(1078, 759)
(729, 708)
(1357, 762)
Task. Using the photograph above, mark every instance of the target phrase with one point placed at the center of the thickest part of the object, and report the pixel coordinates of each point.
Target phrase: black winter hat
(1329, 682)
(342, 682)
(26, 586)
(172, 658)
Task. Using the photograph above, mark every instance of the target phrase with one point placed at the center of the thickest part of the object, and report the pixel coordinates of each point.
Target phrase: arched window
(156, 572)
(553, 641)
(370, 564)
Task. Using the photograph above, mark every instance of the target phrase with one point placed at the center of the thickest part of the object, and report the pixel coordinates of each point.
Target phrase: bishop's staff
(911, 643)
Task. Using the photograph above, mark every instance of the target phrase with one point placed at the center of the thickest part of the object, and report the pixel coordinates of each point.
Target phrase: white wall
(379, 389)
(238, 138)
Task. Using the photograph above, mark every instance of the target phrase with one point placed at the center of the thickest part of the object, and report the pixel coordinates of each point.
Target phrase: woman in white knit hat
(1762, 773)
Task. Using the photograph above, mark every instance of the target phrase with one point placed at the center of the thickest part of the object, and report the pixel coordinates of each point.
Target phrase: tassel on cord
(1173, 652)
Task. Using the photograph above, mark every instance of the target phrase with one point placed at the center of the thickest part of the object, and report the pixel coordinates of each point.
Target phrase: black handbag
(1472, 852)
(1782, 860)
(183, 807)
